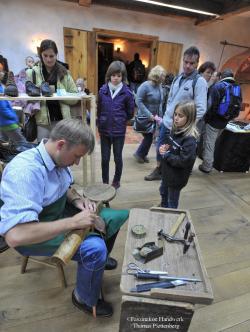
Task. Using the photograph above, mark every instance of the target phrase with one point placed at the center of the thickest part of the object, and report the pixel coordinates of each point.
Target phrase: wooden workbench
(87, 101)
(158, 303)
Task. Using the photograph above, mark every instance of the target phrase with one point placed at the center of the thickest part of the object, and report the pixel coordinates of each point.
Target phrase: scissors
(133, 269)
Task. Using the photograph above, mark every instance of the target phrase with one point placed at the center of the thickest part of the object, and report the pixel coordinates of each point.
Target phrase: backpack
(195, 79)
(138, 72)
(230, 105)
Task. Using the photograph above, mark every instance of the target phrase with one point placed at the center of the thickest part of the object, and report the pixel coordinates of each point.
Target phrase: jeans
(145, 145)
(91, 258)
(169, 197)
(118, 143)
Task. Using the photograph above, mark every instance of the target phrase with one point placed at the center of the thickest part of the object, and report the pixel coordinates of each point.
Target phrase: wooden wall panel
(76, 52)
(153, 54)
(169, 56)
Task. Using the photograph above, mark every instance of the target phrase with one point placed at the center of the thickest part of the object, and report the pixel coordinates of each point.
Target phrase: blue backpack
(230, 105)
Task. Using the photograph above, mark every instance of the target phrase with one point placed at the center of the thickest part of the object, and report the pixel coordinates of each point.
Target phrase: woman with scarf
(55, 74)
(115, 108)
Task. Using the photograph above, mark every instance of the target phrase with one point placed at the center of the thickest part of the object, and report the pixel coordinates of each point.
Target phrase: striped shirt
(30, 182)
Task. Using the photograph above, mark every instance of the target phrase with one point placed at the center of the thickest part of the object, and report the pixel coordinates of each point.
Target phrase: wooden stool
(100, 193)
(58, 266)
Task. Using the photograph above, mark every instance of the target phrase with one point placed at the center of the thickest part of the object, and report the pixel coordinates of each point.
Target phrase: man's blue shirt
(30, 182)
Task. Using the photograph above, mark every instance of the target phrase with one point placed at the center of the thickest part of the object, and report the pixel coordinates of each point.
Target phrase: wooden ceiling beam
(85, 3)
(140, 7)
(209, 6)
(229, 12)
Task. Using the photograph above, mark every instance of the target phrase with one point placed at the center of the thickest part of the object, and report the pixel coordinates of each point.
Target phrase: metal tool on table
(164, 284)
(187, 228)
(155, 276)
(133, 269)
(171, 235)
(188, 242)
(147, 252)
(169, 238)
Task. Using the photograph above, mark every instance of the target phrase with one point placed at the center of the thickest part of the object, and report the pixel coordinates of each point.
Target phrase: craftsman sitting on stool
(34, 190)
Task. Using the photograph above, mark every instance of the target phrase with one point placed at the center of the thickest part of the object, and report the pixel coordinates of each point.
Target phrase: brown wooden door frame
(153, 40)
(92, 50)
(132, 36)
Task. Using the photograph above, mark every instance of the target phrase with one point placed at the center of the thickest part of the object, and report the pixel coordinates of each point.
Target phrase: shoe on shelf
(146, 160)
(10, 86)
(103, 308)
(111, 263)
(139, 159)
(115, 184)
(46, 90)
(3, 245)
(203, 170)
(155, 175)
(32, 90)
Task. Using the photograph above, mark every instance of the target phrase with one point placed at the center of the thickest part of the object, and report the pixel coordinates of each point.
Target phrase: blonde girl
(178, 155)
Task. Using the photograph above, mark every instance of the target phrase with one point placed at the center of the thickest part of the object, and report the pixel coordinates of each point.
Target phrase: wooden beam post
(85, 3)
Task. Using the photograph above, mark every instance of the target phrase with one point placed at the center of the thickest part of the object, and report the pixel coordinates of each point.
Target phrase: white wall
(24, 21)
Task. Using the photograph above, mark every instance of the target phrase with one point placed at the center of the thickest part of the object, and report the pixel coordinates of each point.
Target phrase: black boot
(164, 201)
(10, 86)
(103, 308)
(111, 263)
(155, 175)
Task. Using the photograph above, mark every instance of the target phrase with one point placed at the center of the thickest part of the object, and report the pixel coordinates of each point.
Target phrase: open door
(80, 54)
(169, 56)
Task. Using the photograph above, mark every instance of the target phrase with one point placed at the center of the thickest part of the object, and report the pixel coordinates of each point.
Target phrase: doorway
(105, 57)
(81, 50)
(124, 46)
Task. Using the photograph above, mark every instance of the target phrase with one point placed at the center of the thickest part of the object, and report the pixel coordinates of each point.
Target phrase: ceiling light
(151, 2)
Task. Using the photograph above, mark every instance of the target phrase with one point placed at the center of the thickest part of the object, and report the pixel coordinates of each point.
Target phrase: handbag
(142, 124)
(30, 129)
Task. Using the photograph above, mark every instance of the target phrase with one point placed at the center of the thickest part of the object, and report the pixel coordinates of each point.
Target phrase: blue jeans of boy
(91, 258)
(118, 143)
(169, 197)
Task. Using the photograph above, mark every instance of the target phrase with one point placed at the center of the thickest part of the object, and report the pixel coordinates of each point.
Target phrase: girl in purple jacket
(115, 108)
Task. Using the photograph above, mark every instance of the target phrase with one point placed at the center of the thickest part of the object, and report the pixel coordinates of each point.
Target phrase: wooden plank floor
(220, 209)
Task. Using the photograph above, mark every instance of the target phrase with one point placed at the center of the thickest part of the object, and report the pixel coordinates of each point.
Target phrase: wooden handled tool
(177, 224)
